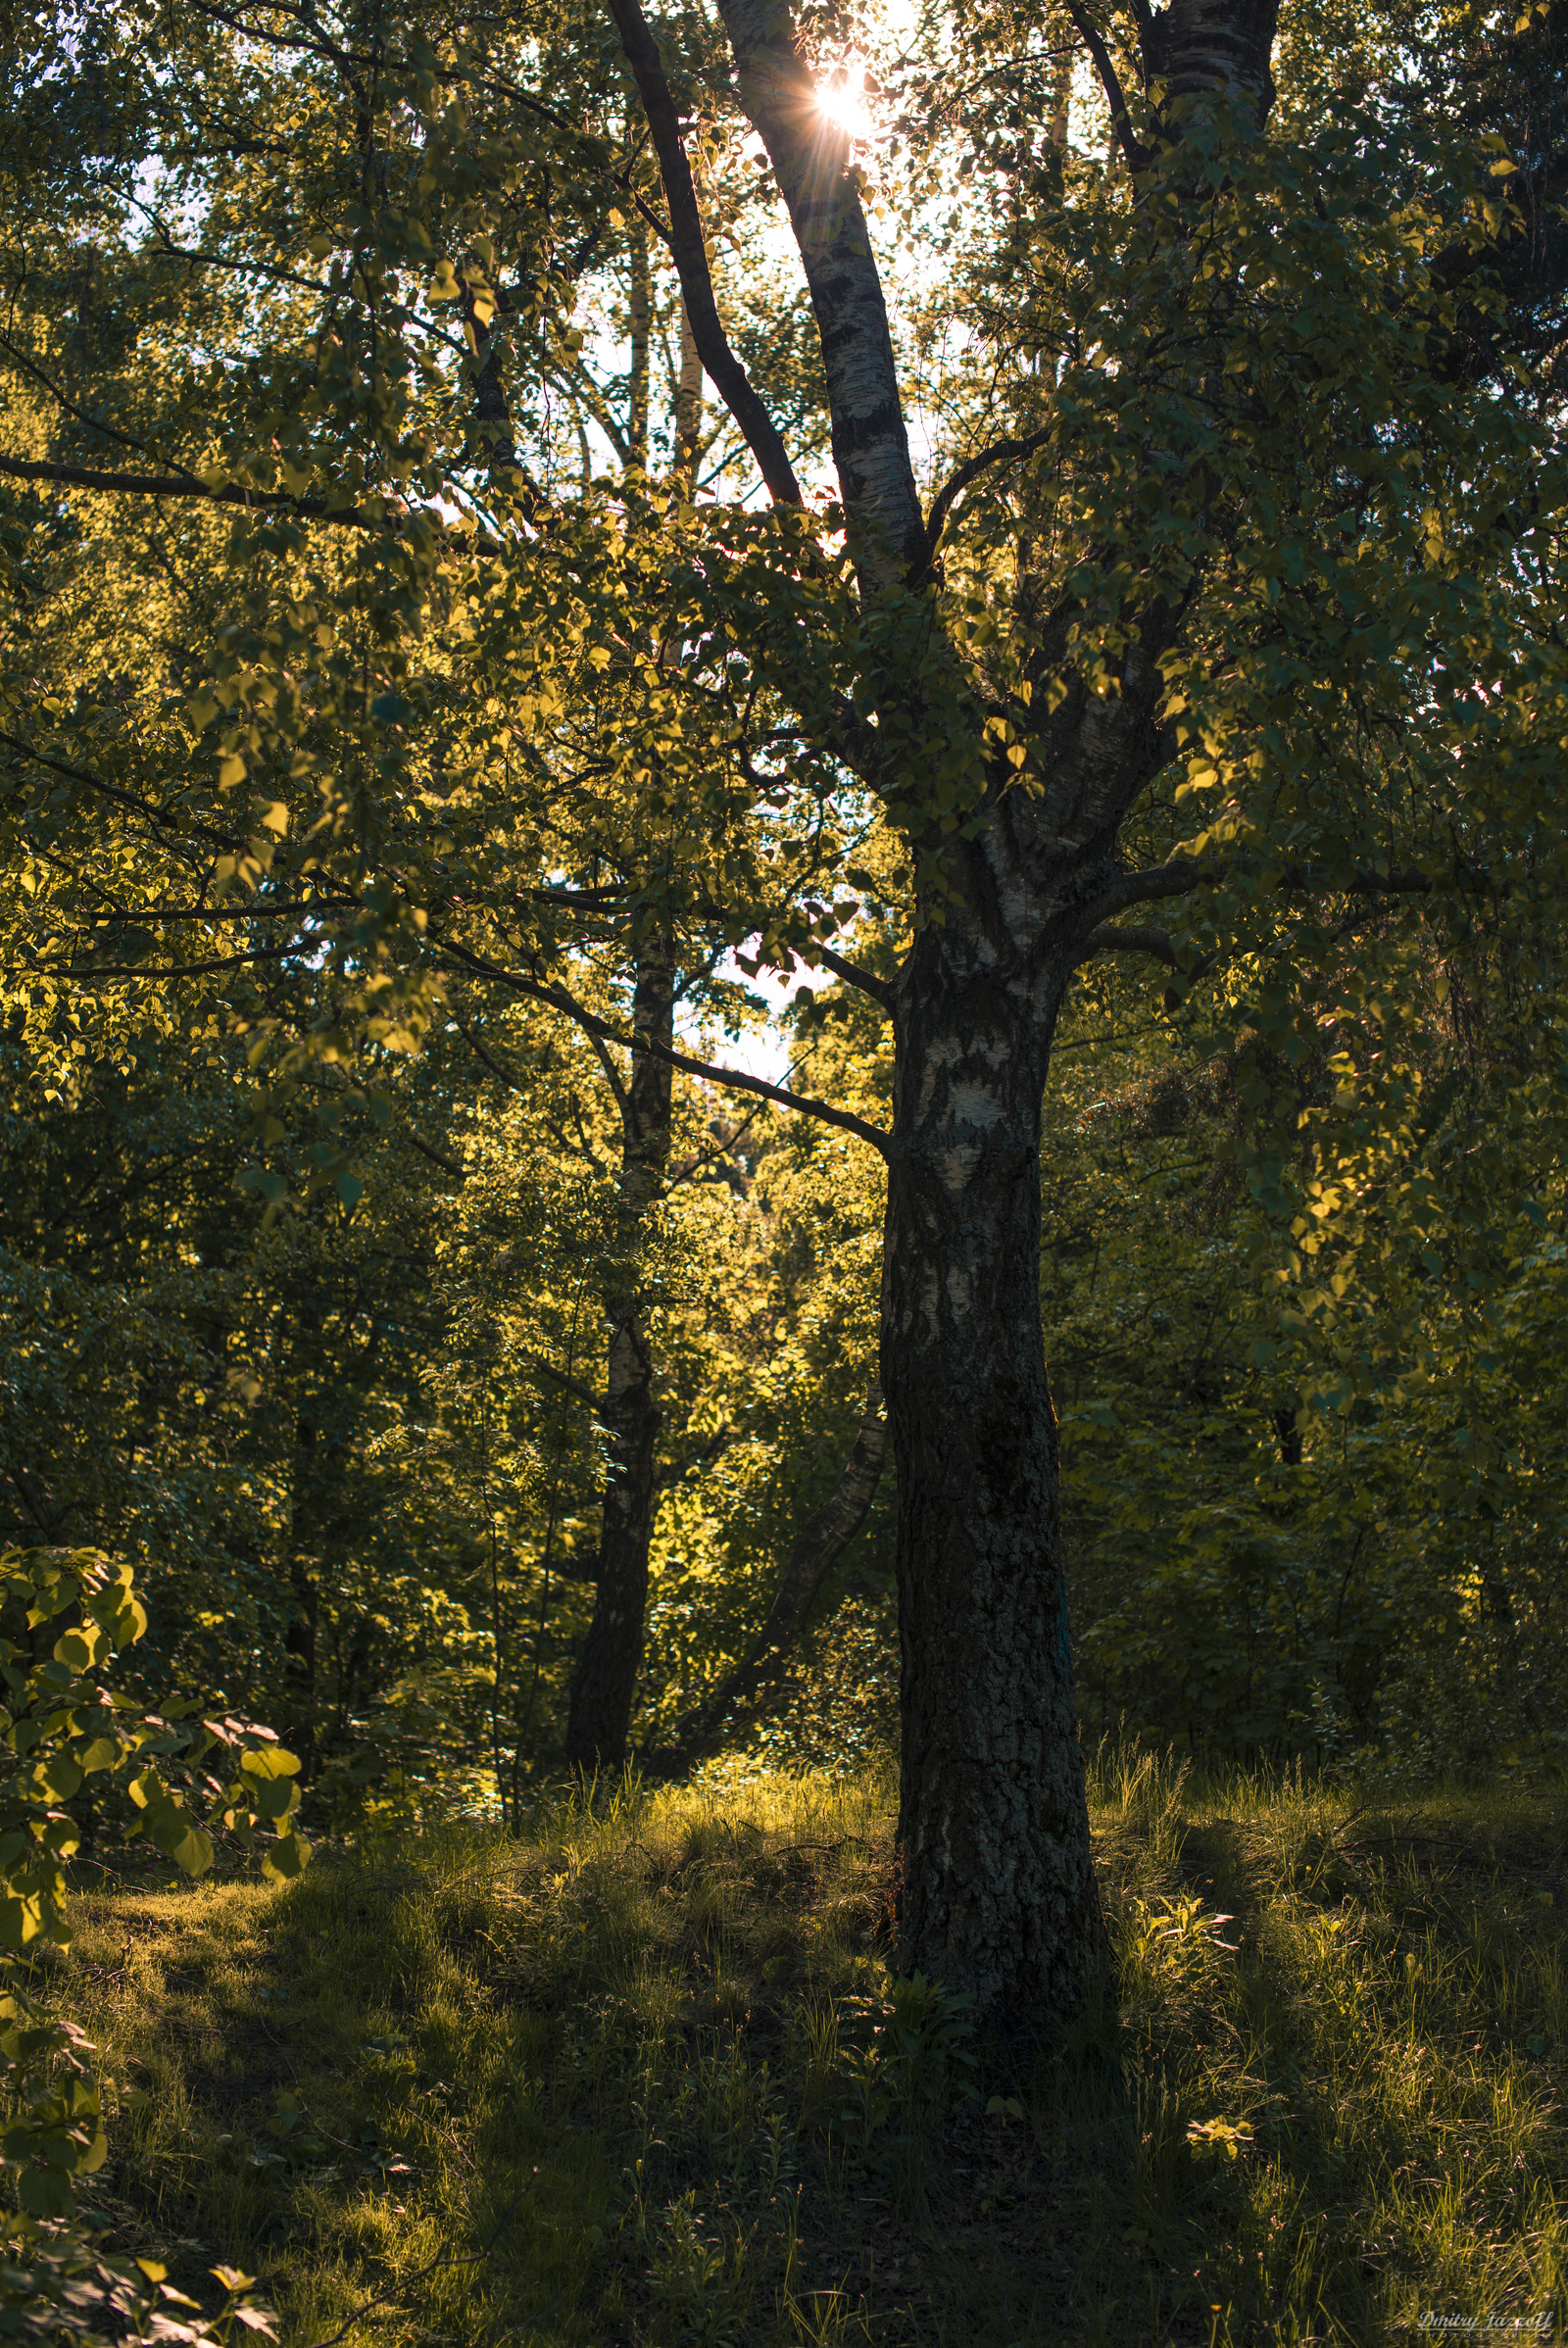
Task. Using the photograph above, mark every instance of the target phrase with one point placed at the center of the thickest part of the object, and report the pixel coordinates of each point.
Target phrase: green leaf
(45, 2192)
(273, 1798)
(59, 1776)
(286, 1858)
(175, 1831)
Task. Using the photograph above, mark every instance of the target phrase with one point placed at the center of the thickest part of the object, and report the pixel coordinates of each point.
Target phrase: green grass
(622, 2080)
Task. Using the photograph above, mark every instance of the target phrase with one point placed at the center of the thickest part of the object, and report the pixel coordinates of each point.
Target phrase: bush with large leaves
(87, 1761)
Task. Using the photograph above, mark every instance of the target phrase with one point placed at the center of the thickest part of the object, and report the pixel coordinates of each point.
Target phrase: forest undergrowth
(644, 2077)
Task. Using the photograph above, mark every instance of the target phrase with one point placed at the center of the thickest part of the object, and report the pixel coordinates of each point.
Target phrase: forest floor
(632, 2081)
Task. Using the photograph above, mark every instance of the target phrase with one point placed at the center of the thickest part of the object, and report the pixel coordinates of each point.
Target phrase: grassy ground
(635, 2081)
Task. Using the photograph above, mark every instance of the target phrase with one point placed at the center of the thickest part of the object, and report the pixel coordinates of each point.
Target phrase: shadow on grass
(621, 2082)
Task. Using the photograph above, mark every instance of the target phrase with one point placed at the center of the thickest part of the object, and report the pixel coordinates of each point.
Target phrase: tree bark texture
(688, 409)
(998, 1887)
(606, 1674)
(1200, 47)
(821, 1540)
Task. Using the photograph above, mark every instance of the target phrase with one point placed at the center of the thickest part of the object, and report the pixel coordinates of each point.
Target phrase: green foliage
(914, 2054)
(1280, 1534)
(346, 781)
(66, 1730)
(69, 2290)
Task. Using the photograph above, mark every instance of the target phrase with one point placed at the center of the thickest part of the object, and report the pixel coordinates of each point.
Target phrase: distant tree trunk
(817, 1547)
(641, 307)
(688, 409)
(607, 1675)
(300, 1637)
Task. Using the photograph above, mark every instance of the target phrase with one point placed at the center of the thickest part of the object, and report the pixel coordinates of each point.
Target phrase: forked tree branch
(686, 243)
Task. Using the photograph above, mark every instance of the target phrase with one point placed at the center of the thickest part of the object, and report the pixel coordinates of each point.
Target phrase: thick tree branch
(1177, 879)
(853, 976)
(1109, 939)
(612, 1075)
(1181, 878)
(228, 842)
(686, 243)
(437, 1158)
(481, 1052)
(572, 1386)
(181, 485)
(176, 970)
(305, 910)
(1132, 148)
(735, 1078)
(1001, 451)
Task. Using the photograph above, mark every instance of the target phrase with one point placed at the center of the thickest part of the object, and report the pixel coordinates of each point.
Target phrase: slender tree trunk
(817, 1547)
(641, 309)
(607, 1675)
(1059, 34)
(300, 1638)
(688, 409)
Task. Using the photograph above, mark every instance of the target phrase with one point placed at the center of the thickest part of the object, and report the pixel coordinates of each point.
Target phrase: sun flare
(841, 99)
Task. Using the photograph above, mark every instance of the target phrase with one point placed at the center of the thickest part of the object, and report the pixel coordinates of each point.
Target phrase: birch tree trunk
(997, 1885)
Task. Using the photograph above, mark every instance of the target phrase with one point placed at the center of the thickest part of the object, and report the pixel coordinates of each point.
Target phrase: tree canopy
(518, 524)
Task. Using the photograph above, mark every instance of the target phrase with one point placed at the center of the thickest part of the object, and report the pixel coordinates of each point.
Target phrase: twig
(472, 2258)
